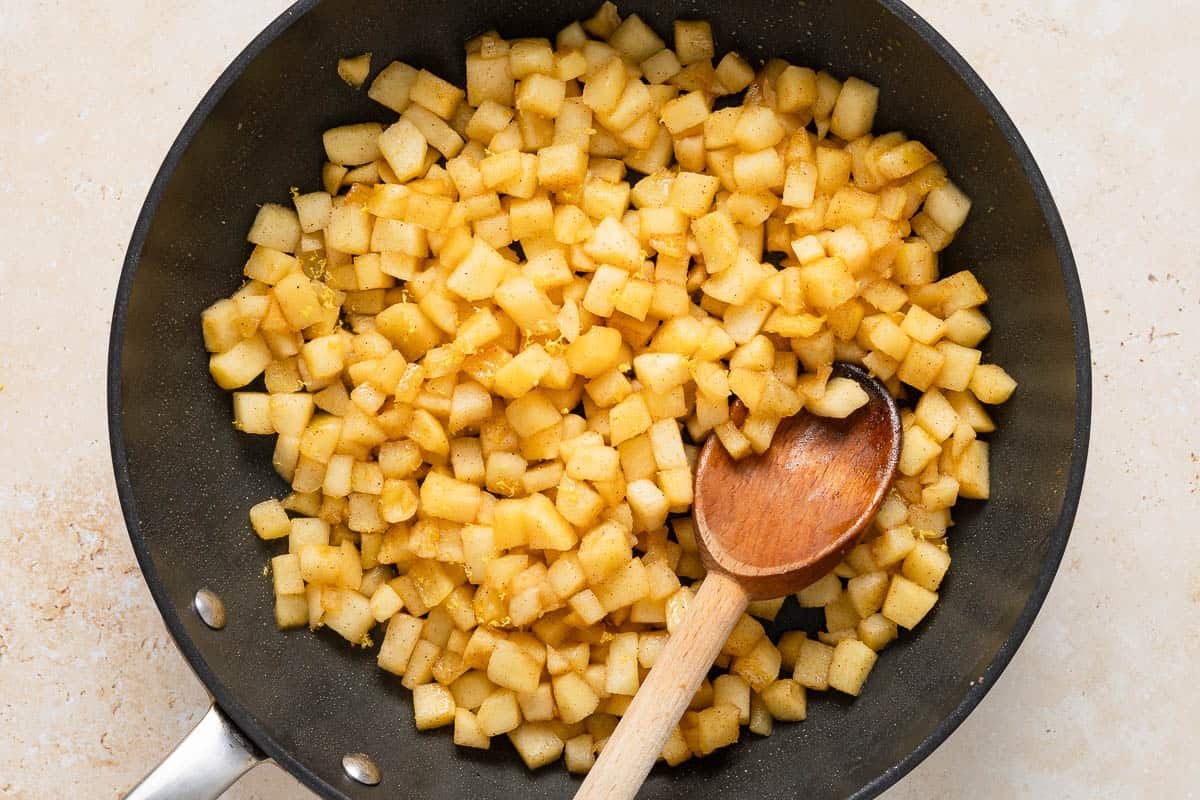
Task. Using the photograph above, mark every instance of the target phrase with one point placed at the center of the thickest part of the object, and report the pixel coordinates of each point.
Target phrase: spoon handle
(635, 745)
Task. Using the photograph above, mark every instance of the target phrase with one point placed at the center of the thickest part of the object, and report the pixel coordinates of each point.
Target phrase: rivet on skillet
(210, 608)
(361, 768)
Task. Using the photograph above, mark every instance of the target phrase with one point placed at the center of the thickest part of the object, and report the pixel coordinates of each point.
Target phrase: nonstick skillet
(187, 478)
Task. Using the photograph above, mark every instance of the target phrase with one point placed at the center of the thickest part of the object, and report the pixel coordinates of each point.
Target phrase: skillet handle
(210, 758)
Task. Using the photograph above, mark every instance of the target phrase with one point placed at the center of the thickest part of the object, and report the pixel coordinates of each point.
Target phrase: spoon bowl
(780, 520)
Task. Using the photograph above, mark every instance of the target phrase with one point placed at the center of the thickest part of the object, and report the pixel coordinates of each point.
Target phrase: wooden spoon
(767, 526)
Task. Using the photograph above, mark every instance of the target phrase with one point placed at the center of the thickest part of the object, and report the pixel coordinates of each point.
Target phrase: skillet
(186, 478)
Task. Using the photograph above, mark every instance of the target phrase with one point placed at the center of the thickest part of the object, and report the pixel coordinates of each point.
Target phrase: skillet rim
(241, 715)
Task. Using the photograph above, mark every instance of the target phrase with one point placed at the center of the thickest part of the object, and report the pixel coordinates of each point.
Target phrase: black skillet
(186, 477)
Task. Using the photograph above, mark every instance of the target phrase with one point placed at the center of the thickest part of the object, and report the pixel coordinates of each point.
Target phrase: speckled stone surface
(1100, 702)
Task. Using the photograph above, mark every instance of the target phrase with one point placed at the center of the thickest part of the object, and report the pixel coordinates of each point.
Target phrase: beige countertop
(1101, 700)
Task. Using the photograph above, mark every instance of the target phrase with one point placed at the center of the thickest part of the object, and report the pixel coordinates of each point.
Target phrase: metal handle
(210, 758)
